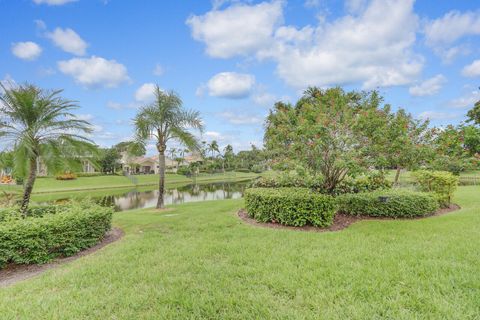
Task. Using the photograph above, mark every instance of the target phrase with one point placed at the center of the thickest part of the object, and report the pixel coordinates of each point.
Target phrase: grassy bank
(51, 185)
(200, 261)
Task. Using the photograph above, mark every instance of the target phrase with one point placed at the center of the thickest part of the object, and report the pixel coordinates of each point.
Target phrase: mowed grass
(51, 185)
(199, 261)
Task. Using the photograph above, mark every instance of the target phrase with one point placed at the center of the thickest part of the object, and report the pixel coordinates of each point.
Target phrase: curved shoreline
(340, 222)
(15, 273)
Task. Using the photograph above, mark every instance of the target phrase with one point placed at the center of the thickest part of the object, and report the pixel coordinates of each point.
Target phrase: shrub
(290, 206)
(388, 203)
(370, 182)
(288, 179)
(66, 176)
(442, 183)
(56, 231)
(184, 170)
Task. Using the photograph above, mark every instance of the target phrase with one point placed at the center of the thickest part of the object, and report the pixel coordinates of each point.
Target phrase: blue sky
(232, 59)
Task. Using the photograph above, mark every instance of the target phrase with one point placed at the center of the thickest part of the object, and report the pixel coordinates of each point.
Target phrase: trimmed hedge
(55, 231)
(290, 206)
(388, 203)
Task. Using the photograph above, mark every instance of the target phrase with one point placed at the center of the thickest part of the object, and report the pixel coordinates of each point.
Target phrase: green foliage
(108, 160)
(52, 232)
(290, 206)
(365, 183)
(132, 148)
(474, 114)
(455, 149)
(368, 182)
(336, 133)
(42, 126)
(442, 183)
(293, 178)
(388, 203)
(185, 170)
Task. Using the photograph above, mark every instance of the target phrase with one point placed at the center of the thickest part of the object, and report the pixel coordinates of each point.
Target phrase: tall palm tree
(41, 127)
(165, 120)
(213, 147)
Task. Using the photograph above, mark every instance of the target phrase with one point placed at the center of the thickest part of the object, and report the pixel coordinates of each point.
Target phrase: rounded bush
(290, 206)
(388, 203)
(52, 232)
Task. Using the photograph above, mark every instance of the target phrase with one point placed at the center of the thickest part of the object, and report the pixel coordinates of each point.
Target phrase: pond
(189, 193)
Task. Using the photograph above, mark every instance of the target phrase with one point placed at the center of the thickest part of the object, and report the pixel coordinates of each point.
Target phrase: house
(147, 165)
(87, 167)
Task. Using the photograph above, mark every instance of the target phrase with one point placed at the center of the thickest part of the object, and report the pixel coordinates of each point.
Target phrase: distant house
(87, 167)
(146, 165)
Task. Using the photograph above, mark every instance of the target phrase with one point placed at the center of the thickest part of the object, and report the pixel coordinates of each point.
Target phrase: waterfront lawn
(198, 260)
(49, 184)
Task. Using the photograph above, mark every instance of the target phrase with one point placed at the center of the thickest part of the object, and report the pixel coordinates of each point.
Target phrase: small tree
(323, 132)
(165, 120)
(42, 128)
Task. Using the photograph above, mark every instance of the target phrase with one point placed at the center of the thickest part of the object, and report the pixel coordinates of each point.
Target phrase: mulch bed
(17, 272)
(341, 220)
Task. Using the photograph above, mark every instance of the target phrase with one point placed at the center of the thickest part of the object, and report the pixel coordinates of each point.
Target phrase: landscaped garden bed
(303, 205)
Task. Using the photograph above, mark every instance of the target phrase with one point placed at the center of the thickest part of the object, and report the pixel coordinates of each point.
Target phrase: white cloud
(230, 85)
(451, 27)
(472, 70)
(158, 70)
(213, 134)
(95, 71)
(68, 40)
(442, 33)
(366, 46)
(53, 2)
(371, 48)
(145, 93)
(433, 115)
(237, 30)
(241, 118)
(428, 87)
(466, 101)
(26, 50)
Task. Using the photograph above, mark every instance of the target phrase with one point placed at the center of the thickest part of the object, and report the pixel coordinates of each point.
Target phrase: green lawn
(49, 185)
(200, 261)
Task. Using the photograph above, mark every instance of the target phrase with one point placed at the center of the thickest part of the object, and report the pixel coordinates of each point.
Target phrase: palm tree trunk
(27, 191)
(161, 184)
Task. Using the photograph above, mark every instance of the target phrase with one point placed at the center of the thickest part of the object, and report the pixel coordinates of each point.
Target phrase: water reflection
(188, 193)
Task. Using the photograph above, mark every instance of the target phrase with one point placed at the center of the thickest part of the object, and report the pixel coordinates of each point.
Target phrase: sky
(231, 60)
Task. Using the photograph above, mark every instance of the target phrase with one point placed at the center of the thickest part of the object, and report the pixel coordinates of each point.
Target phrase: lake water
(189, 193)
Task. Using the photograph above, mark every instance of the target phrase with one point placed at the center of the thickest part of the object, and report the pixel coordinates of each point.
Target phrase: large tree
(42, 128)
(327, 132)
(165, 120)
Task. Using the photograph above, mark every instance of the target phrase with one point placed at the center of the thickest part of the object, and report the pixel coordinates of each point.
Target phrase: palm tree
(42, 129)
(165, 120)
(228, 154)
(213, 147)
